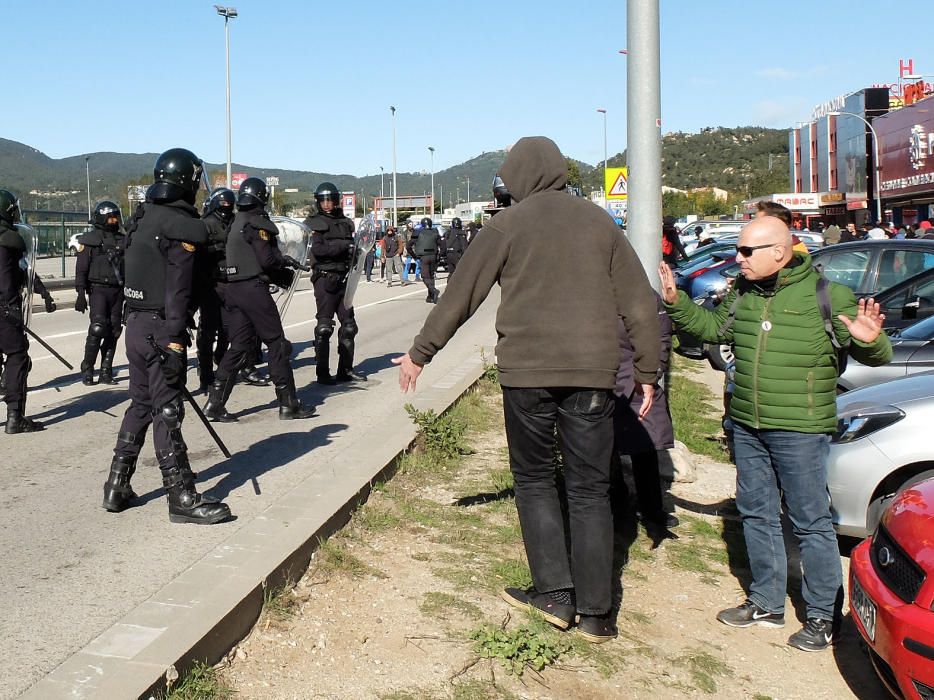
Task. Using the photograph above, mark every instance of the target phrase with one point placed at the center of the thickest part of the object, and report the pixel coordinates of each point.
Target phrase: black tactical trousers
(106, 308)
(329, 297)
(212, 341)
(252, 313)
(151, 399)
(14, 346)
(429, 271)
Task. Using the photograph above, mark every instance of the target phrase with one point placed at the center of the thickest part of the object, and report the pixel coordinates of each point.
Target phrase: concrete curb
(212, 605)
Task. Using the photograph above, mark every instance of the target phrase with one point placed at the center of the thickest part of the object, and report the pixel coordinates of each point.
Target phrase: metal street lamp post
(431, 149)
(603, 112)
(381, 173)
(877, 165)
(395, 192)
(87, 170)
(468, 189)
(228, 13)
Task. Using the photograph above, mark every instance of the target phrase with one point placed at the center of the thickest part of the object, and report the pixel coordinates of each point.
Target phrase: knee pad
(348, 330)
(323, 331)
(171, 416)
(98, 329)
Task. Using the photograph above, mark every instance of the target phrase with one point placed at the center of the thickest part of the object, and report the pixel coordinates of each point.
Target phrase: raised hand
(867, 325)
(669, 288)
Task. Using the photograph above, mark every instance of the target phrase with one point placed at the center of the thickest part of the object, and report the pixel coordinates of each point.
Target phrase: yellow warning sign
(616, 183)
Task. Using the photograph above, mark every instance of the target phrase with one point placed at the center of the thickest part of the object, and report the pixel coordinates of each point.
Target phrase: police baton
(48, 347)
(163, 353)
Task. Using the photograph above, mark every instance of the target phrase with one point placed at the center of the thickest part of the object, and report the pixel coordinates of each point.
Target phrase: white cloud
(776, 73)
(777, 113)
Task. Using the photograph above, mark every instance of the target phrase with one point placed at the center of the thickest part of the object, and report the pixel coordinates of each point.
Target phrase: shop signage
(834, 210)
(831, 197)
(906, 145)
(798, 201)
(853, 206)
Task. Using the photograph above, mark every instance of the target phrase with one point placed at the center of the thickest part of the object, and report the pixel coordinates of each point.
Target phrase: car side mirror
(910, 310)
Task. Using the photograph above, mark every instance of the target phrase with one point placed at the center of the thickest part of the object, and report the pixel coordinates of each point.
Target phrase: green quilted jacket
(786, 375)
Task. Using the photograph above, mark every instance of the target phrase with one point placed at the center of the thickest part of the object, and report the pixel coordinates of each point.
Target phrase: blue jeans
(584, 422)
(770, 465)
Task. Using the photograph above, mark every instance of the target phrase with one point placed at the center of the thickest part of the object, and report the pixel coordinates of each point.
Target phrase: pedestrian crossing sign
(616, 183)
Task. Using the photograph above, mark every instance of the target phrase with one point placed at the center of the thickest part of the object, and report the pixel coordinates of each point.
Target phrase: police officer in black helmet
(14, 345)
(211, 282)
(253, 263)
(457, 246)
(162, 237)
(99, 275)
(332, 245)
(427, 247)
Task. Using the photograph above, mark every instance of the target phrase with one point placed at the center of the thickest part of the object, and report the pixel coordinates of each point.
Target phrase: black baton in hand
(190, 399)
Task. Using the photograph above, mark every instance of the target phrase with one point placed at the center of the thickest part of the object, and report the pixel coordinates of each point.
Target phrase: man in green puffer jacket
(784, 411)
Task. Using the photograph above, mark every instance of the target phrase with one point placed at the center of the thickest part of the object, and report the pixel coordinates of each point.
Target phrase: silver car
(881, 447)
(912, 352)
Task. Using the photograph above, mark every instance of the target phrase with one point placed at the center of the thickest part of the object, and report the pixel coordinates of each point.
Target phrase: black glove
(174, 367)
(81, 303)
(283, 277)
(292, 262)
(49, 304)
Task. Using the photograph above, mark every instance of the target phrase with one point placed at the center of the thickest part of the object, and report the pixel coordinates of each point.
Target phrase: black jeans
(584, 421)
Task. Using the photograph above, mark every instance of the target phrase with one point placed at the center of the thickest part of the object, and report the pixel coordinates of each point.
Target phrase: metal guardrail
(53, 230)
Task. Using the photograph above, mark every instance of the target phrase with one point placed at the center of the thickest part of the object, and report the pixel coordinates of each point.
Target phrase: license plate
(865, 609)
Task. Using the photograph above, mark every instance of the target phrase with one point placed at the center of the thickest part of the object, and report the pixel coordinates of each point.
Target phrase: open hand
(867, 325)
(669, 288)
(408, 372)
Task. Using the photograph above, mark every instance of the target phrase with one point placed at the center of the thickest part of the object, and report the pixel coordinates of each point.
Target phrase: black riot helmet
(177, 175)
(253, 191)
(500, 193)
(456, 223)
(106, 210)
(9, 207)
(327, 191)
(425, 222)
(222, 201)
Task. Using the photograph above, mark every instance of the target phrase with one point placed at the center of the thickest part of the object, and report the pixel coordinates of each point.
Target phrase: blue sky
(312, 81)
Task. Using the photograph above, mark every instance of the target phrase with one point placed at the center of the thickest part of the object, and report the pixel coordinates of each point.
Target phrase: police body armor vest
(241, 260)
(107, 252)
(426, 243)
(337, 229)
(146, 260)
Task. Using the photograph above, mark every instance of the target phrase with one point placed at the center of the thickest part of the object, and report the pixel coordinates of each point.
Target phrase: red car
(892, 593)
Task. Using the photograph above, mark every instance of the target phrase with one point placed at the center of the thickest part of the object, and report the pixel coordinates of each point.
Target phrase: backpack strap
(826, 310)
(728, 322)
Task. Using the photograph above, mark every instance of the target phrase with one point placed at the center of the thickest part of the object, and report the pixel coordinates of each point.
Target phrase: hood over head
(534, 164)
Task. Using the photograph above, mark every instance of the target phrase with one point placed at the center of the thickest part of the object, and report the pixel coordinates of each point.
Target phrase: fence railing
(54, 230)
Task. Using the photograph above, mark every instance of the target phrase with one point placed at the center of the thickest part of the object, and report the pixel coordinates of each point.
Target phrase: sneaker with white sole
(749, 614)
(816, 635)
(557, 614)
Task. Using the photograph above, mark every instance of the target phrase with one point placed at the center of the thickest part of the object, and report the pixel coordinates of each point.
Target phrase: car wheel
(719, 356)
(877, 506)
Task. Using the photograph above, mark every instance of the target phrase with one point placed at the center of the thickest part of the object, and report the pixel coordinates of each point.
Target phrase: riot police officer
(210, 284)
(99, 275)
(427, 247)
(253, 262)
(457, 246)
(14, 345)
(162, 237)
(332, 245)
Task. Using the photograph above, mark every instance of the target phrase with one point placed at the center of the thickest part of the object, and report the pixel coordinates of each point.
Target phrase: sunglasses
(747, 250)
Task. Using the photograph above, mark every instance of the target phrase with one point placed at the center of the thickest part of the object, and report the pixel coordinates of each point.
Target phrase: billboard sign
(236, 179)
(906, 149)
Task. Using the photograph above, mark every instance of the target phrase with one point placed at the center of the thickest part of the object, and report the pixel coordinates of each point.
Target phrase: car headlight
(861, 422)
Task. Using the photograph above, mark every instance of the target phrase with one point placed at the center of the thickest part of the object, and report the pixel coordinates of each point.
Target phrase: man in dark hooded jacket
(566, 273)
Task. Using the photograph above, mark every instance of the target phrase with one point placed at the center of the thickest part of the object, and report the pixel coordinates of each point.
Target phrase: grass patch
(501, 480)
(518, 649)
(201, 683)
(333, 558)
(704, 669)
(438, 604)
(511, 572)
(375, 519)
(696, 423)
(278, 603)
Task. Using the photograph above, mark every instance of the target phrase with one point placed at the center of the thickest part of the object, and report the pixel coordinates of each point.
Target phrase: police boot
(91, 347)
(290, 408)
(250, 375)
(345, 350)
(107, 367)
(186, 505)
(117, 491)
(215, 409)
(16, 422)
(205, 370)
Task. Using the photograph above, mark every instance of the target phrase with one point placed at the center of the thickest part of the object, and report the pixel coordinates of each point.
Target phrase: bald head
(764, 247)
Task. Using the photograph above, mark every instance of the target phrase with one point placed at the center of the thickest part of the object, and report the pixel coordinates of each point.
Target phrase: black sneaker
(816, 635)
(558, 614)
(597, 629)
(749, 614)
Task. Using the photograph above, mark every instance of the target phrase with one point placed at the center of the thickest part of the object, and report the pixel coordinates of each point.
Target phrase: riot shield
(364, 240)
(28, 265)
(294, 241)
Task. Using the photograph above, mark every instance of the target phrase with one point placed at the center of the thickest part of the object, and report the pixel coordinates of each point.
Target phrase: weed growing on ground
(704, 669)
(511, 573)
(201, 683)
(333, 558)
(440, 436)
(501, 479)
(518, 649)
(437, 604)
(278, 603)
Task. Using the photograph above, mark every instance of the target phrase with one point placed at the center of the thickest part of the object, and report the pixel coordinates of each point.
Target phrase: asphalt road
(70, 569)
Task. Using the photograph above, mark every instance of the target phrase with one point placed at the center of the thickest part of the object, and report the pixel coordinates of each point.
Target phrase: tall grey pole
(468, 189)
(644, 139)
(87, 170)
(227, 55)
(381, 173)
(395, 192)
(431, 149)
(603, 112)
